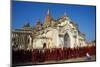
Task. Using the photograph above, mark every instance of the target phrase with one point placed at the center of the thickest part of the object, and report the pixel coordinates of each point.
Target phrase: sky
(31, 12)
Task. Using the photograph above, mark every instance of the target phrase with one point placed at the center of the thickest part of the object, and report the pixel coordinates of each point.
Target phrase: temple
(53, 33)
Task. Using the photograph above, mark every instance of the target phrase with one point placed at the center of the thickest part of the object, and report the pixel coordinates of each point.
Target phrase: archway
(66, 40)
(44, 45)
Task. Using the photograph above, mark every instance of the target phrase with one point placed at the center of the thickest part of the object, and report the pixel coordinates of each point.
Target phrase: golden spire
(48, 17)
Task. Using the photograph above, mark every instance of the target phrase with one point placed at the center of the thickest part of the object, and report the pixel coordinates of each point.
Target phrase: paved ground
(81, 59)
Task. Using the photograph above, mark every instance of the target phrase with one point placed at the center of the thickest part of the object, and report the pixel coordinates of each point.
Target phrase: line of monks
(55, 54)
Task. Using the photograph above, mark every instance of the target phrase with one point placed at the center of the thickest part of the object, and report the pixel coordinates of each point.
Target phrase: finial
(65, 13)
(48, 13)
(26, 24)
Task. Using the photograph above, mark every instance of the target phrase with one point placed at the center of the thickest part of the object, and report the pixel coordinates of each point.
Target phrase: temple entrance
(44, 45)
(66, 41)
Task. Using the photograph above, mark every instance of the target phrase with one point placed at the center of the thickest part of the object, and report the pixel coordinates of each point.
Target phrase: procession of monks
(57, 54)
(54, 54)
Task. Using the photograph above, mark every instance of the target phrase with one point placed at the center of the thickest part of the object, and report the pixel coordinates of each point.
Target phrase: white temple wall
(52, 41)
(84, 44)
(77, 40)
(37, 43)
(61, 41)
(72, 42)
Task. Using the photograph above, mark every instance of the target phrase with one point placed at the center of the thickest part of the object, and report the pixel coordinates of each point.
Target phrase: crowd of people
(54, 54)
(21, 56)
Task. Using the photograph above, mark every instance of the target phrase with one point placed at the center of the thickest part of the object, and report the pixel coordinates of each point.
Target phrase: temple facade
(53, 33)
